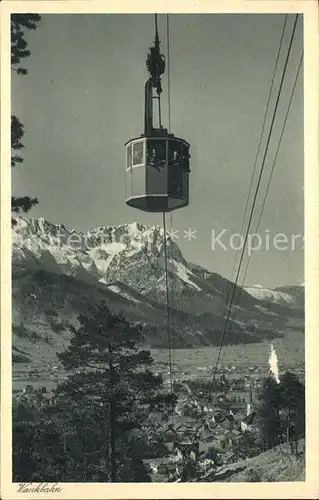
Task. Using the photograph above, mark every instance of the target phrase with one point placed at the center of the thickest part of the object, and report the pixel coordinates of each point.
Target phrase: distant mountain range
(290, 296)
(57, 271)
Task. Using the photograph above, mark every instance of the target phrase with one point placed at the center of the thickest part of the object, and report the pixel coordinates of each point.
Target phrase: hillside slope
(277, 464)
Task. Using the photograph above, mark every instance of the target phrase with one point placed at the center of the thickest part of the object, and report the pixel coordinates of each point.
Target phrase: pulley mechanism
(155, 64)
(157, 163)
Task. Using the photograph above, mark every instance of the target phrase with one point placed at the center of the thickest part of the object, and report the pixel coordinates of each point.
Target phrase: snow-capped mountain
(56, 271)
(130, 252)
(289, 296)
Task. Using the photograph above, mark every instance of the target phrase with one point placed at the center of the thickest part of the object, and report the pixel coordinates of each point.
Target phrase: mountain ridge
(124, 265)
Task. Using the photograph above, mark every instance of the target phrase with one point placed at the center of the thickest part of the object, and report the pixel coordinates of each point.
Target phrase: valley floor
(241, 359)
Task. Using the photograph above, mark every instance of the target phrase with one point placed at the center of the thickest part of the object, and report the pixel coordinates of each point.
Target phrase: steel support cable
(224, 285)
(270, 177)
(168, 73)
(165, 255)
(224, 288)
(172, 290)
(169, 131)
(261, 135)
(170, 304)
(274, 163)
(169, 340)
(255, 196)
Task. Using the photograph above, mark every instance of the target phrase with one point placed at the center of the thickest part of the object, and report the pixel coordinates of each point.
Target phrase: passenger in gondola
(185, 161)
(176, 158)
(152, 157)
(154, 160)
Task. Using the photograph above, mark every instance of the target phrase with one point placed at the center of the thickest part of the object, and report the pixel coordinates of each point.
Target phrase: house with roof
(186, 450)
(219, 415)
(219, 432)
(229, 457)
(187, 431)
(231, 438)
(247, 423)
(211, 449)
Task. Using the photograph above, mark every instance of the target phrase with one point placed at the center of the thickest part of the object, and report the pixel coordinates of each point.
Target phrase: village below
(219, 433)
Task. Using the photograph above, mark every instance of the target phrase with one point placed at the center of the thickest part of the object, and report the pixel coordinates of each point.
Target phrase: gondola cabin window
(138, 154)
(129, 157)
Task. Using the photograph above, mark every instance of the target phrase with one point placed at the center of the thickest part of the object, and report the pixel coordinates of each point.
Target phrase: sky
(83, 99)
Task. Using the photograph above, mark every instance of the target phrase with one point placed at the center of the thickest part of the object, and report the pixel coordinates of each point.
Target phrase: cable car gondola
(157, 162)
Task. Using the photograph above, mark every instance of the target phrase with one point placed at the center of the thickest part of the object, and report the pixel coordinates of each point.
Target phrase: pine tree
(17, 133)
(107, 399)
(281, 411)
(268, 413)
(19, 45)
(19, 50)
(292, 408)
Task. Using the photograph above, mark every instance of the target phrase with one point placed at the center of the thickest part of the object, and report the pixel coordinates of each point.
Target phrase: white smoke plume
(273, 364)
